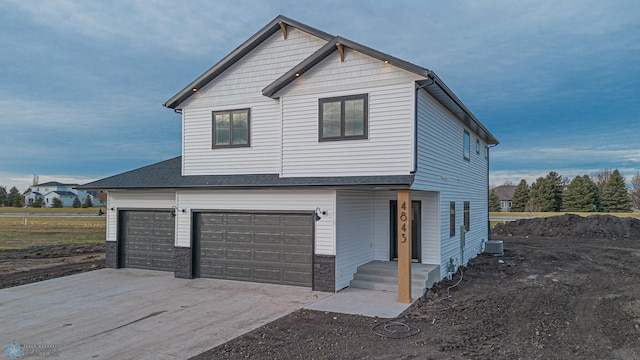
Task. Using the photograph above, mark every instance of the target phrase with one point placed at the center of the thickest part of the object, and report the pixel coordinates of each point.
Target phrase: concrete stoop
(383, 275)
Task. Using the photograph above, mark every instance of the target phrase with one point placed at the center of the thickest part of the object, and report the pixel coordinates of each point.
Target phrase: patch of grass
(14, 234)
(494, 223)
(547, 214)
(65, 210)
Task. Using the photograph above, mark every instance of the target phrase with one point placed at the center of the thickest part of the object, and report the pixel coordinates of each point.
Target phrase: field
(65, 210)
(27, 231)
(35, 248)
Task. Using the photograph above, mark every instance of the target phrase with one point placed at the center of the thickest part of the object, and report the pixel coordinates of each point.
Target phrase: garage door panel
(272, 248)
(238, 236)
(239, 254)
(238, 219)
(297, 220)
(267, 256)
(267, 219)
(267, 238)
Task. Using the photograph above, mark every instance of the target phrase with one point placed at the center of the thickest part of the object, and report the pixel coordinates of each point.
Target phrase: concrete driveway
(138, 314)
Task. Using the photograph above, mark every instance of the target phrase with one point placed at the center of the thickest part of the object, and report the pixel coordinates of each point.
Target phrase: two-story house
(67, 193)
(295, 148)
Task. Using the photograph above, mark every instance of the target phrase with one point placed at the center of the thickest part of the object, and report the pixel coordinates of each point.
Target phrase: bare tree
(601, 178)
(635, 190)
(508, 183)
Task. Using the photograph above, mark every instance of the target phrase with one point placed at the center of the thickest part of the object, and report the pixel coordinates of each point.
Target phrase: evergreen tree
(4, 197)
(635, 190)
(87, 202)
(581, 195)
(547, 192)
(37, 203)
(520, 196)
(15, 199)
(76, 203)
(56, 202)
(615, 197)
(494, 202)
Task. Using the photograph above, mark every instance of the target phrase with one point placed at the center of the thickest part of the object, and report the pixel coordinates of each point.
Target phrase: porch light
(320, 212)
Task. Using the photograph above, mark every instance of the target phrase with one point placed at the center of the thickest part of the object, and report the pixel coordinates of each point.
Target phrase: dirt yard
(37, 263)
(566, 288)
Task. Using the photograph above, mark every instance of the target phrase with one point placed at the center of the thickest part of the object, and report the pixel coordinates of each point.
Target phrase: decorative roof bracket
(341, 51)
(283, 26)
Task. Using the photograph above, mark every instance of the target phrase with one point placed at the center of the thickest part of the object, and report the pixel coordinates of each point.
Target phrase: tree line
(606, 192)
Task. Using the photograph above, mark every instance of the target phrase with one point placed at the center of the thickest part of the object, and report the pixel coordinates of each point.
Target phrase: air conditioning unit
(494, 247)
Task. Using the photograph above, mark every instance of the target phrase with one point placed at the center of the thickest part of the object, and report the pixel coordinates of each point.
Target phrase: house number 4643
(403, 220)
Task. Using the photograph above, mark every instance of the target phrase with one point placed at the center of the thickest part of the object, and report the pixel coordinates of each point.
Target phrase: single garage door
(259, 247)
(146, 239)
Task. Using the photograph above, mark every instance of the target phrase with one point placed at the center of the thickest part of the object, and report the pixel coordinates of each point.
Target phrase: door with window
(416, 227)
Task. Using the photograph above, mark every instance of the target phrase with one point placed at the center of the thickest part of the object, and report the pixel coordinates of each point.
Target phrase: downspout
(489, 146)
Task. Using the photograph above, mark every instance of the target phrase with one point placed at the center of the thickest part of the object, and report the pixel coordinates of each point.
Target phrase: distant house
(65, 192)
(505, 194)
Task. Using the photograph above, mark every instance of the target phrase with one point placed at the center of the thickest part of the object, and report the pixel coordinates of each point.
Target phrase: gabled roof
(505, 192)
(431, 84)
(167, 175)
(237, 54)
(54, 183)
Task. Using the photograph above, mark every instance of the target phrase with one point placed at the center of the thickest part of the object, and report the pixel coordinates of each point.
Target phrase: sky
(82, 83)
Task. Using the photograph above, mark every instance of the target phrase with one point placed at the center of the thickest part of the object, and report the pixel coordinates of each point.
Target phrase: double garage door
(260, 247)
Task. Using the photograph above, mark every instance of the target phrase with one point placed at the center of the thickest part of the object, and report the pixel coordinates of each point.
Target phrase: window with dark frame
(466, 145)
(231, 128)
(452, 218)
(343, 118)
(477, 146)
(467, 215)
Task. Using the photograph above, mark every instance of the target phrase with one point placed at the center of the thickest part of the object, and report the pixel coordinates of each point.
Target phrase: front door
(415, 230)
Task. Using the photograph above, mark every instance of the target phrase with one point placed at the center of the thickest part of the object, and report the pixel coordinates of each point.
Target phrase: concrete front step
(416, 291)
(383, 275)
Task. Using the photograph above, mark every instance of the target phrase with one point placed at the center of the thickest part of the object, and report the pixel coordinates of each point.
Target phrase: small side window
(467, 217)
(452, 218)
(466, 151)
(477, 146)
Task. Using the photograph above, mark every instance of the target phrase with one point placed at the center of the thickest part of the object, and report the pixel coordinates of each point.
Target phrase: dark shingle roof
(54, 183)
(167, 175)
(65, 193)
(505, 192)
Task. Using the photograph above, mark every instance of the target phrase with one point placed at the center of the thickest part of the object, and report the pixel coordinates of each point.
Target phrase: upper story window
(343, 118)
(231, 128)
(467, 146)
(477, 146)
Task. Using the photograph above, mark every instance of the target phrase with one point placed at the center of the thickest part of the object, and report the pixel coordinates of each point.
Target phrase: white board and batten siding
(354, 233)
(119, 200)
(240, 87)
(441, 167)
(261, 200)
(388, 148)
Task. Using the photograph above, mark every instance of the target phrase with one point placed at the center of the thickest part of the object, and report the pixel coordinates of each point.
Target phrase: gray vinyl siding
(241, 86)
(354, 233)
(441, 168)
